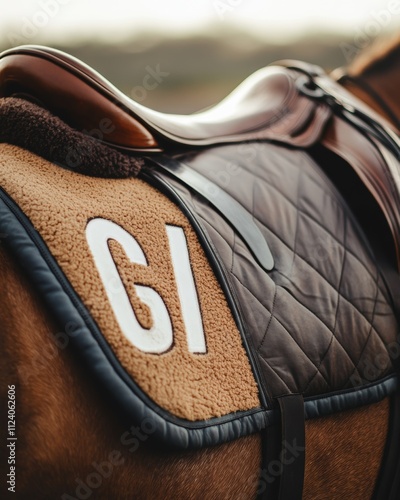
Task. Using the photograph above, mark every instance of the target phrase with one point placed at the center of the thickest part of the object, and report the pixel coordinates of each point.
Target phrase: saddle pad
(183, 379)
(169, 308)
(304, 328)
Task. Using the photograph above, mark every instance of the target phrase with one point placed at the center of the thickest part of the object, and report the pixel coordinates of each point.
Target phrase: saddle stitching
(353, 362)
(270, 318)
(285, 328)
(370, 332)
(268, 185)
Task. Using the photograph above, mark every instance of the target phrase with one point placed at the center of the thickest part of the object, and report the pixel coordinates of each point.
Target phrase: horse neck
(385, 85)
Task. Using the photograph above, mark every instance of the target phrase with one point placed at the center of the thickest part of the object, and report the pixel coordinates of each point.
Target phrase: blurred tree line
(188, 74)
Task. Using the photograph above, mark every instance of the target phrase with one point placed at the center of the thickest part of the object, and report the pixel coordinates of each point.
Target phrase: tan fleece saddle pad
(215, 272)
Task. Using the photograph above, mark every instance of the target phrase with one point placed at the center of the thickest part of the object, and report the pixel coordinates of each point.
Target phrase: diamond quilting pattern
(321, 320)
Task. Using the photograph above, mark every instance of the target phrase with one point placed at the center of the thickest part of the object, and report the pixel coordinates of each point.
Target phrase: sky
(280, 20)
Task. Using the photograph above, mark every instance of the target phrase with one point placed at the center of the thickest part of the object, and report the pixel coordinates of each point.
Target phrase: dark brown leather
(375, 165)
(366, 159)
(377, 168)
(265, 106)
(321, 321)
(68, 97)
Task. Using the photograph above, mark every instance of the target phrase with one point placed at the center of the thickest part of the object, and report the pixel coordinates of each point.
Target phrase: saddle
(271, 295)
(269, 105)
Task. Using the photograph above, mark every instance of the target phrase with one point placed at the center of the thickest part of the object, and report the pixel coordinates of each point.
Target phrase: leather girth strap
(293, 447)
(282, 473)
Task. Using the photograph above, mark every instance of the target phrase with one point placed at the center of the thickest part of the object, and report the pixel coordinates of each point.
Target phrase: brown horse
(72, 439)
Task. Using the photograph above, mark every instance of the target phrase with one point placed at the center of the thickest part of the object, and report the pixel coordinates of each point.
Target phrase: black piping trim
(323, 405)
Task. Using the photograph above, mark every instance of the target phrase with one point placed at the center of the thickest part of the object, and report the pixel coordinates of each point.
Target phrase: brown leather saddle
(265, 106)
(289, 231)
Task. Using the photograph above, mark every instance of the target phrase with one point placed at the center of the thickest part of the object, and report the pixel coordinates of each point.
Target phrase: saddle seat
(265, 106)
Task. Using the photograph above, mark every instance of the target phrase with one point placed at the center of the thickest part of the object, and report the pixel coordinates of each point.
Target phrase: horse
(373, 75)
(202, 306)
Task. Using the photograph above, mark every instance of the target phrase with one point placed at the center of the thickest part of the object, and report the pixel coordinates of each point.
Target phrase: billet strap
(292, 454)
(268, 484)
(240, 219)
(388, 482)
(283, 452)
(361, 83)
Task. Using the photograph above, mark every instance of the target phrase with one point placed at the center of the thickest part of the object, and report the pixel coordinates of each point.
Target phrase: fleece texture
(343, 450)
(60, 203)
(32, 127)
(67, 425)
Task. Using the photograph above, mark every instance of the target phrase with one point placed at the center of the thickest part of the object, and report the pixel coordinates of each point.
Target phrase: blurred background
(184, 55)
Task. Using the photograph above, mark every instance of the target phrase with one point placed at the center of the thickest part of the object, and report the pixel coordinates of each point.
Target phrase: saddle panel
(278, 333)
(307, 316)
